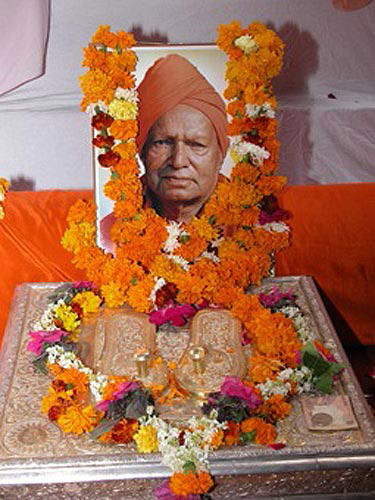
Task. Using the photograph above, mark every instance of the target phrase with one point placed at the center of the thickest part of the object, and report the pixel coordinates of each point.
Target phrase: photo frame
(208, 59)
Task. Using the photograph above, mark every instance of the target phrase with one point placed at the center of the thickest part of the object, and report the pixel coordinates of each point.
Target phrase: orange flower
(185, 484)
(103, 36)
(124, 129)
(274, 408)
(97, 86)
(125, 40)
(217, 439)
(232, 433)
(76, 378)
(265, 433)
(121, 433)
(138, 295)
(78, 420)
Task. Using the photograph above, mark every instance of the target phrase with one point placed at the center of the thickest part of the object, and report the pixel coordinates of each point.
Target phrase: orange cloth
(174, 80)
(30, 235)
(333, 241)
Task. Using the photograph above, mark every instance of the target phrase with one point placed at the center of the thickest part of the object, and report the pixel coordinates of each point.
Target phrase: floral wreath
(4, 185)
(169, 269)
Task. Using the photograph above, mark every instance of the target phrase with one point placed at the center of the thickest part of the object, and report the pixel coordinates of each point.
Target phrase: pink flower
(177, 314)
(83, 284)
(274, 296)
(38, 338)
(163, 492)
(232, 386)
(120, 393)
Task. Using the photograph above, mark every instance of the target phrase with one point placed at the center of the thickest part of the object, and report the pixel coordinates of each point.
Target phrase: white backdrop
(45, 139)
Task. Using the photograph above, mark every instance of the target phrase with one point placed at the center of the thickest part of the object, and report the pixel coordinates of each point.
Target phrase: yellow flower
(112, 294)
(68, 319)
(78, 236)
(246, 43)
(146, 439)
(88, 301)
(123, 110)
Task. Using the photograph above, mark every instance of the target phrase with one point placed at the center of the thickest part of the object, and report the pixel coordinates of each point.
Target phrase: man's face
(182, 156)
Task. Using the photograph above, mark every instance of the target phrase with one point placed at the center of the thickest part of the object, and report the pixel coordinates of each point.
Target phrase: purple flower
(38, 338)
(123, 388)
(233, 387)
(163, 492)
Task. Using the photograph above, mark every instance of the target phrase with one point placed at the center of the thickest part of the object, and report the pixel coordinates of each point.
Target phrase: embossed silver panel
(37, 460)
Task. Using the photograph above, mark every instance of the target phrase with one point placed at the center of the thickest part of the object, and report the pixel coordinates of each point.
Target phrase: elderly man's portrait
(182, 141)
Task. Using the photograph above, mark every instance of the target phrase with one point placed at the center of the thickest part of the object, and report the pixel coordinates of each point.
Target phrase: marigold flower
(103, 36)
(146, 439)
(88, 301)
(97, 86)
(113, 295)
(265, 433)
(77, 420)
(184, 484)
(274, 408)
(124, 129)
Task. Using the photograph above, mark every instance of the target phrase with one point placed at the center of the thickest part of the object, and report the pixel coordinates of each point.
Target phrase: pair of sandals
(122, 342)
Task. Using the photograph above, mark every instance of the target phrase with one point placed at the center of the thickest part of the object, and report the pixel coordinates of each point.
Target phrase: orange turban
(174, 80)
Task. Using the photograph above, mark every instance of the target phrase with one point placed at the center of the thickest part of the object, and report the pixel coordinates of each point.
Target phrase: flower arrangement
(170, 270)
(124, 410)
(4, 185)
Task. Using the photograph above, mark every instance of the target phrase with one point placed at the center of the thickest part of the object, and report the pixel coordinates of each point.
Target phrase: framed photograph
(208, 60)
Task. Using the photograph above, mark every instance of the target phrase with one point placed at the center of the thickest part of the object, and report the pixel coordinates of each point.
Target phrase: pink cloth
(24, 26)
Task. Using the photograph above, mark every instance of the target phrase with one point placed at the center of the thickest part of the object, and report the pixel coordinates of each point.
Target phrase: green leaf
(104, 426)
(134, 280)
(212, 219)
(247, 437)
(189, 467)
(40, 364)
(184, 238)
(114, 176)
(324, 383)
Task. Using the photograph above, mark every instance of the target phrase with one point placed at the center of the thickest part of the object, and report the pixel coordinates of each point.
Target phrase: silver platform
(37, 460)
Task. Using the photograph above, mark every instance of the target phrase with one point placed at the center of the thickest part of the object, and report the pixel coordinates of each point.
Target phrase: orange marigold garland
(159, 261)
(238, 209)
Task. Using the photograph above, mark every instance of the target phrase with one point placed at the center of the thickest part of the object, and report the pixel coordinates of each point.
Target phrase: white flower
(126, 94)
(174, 231)
(255, 111)
(277, 227)
(159, 283)
(246, 43)
(180, 261)
(209, 255)
(241, 149)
